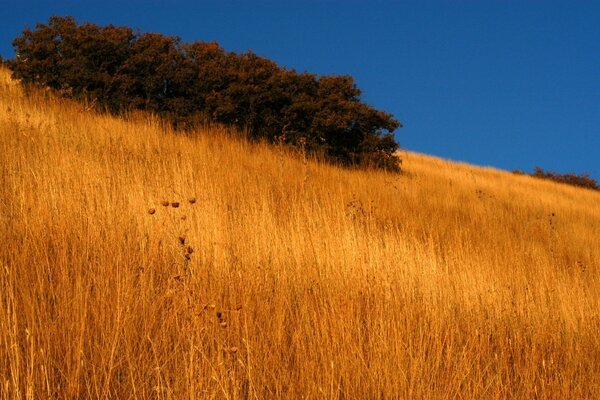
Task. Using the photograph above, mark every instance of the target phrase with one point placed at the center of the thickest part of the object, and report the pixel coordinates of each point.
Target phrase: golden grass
(303, 280)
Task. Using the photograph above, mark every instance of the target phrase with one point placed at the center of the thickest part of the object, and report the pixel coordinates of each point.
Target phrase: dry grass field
(277, 277)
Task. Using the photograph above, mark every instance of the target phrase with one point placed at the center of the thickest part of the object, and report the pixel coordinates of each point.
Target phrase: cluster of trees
(581, 180)
(121, 69)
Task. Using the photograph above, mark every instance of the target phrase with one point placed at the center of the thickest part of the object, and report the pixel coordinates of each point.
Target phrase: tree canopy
(121, 69)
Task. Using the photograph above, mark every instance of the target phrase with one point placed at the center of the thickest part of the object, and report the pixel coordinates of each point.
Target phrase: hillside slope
(278, 277)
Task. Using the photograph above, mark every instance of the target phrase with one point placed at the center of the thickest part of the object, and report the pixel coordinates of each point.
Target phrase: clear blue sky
(511, 84)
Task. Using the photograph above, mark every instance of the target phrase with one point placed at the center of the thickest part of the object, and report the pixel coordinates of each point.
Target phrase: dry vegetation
(284, 278)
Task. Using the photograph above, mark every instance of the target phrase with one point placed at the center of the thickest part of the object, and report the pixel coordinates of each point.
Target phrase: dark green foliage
(188, 83)
(582, 180)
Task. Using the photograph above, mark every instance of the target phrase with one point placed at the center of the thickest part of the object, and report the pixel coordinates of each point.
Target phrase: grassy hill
(279, 277)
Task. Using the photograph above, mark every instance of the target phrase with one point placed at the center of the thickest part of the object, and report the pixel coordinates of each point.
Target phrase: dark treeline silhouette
(188, 83)
(582, 180)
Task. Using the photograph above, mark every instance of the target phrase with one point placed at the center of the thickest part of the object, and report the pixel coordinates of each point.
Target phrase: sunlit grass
(282, 278)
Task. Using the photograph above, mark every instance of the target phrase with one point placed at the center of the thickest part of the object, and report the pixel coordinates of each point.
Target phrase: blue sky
(511, 84)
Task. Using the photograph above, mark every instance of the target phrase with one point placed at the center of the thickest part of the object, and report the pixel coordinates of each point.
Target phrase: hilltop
(140, 262)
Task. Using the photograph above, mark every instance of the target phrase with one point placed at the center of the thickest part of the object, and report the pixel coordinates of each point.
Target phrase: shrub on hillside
(582, 180)
(121, 70)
